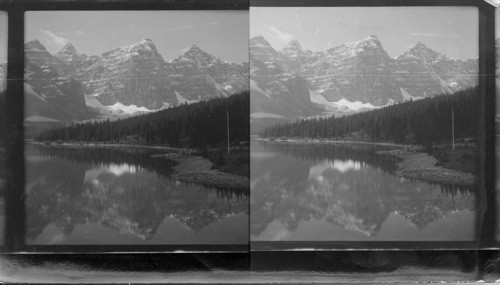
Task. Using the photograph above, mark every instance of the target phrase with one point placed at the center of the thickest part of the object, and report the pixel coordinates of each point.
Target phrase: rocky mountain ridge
(348, 78)
(70, 86)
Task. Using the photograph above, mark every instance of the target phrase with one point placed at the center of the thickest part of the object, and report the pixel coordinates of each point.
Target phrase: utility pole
(452, 129)
(227, 116)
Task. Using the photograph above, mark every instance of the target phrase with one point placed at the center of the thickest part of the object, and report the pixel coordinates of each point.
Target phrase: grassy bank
(461, 159)
(236, 162)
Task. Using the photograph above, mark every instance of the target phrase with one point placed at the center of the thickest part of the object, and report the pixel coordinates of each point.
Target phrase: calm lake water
(326, 192)
(106, 196)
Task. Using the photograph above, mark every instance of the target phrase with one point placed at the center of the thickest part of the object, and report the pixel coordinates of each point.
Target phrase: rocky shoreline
(422, 166)
(199, 170)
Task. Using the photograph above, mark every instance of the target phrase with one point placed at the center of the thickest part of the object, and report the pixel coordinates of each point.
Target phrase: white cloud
(281, 36)
(51, 39)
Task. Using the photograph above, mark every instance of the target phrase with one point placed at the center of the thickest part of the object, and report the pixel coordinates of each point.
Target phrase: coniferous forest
(423, 122)
(197, 125)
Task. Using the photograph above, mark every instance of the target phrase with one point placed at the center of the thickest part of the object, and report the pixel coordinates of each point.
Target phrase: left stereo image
(136, 129)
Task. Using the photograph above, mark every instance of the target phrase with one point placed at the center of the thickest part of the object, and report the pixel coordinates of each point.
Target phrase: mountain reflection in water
(337, 192)
(104, 195)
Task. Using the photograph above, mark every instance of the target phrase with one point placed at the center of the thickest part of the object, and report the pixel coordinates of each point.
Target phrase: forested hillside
(420, 122)
(197, 125)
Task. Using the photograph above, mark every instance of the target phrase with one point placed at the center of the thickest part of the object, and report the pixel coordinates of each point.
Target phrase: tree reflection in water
(123, 190)
(351, 187)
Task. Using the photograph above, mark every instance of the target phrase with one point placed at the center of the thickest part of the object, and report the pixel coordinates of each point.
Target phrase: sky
(3, 36)
(450, 30)
(221, 33)
(497, 23)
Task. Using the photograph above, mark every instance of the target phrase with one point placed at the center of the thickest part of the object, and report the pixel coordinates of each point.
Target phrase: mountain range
(70, 86)
(293, 83)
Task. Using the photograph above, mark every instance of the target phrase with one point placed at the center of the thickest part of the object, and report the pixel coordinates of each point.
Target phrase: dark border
(53, 5)
(486, 214)
(15, 170)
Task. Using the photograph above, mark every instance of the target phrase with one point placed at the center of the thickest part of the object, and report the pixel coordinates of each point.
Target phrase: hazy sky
(221, 33)
(3, 36)
(450, 30)
(497, 23)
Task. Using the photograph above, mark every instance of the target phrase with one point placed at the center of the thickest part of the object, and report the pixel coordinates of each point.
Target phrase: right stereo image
(365, 127)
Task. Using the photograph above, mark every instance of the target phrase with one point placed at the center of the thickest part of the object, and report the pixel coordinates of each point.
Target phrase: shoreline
(422, 166)
(199, 170)
(112, 145)
(414, 165)
(190, 168)
(325, 141)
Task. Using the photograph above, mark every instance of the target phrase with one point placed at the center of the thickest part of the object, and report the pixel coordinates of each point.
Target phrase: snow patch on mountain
(131, 109)
(342, 104)
(357, 105)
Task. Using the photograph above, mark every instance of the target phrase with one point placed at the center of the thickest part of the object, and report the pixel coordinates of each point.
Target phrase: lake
(86, 196)
(336, 192)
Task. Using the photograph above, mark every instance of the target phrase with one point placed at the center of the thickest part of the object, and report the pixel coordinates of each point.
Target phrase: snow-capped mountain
(196, 75)
(50, 94)
(276, 94)
(349, 78)
(294, 50)
(127, 80)
(130, 75)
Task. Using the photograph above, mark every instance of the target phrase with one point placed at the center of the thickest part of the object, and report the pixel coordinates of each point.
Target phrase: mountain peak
(422, 51)
(68, 48)
(194, 48)
(293, 50)
(34, 45)
(419, 44)
(195, 53)
(371, 40)
(293, 44)
(259, 40)
(142, 45)
(146, 44)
